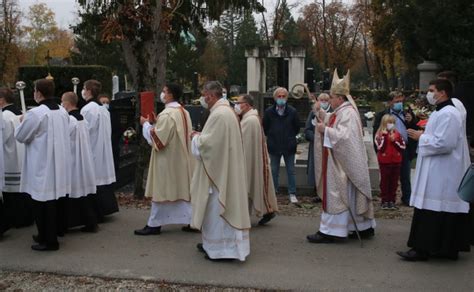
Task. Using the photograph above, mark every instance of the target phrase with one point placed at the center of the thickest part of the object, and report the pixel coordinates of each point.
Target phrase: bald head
(69, 101)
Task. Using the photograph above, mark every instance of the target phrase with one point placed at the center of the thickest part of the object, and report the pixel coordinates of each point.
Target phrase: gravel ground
(26, 281)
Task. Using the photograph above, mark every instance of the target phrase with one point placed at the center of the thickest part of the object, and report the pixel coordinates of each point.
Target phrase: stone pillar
(428, 70)
(263, 75)
(253, 70)
(296, 67)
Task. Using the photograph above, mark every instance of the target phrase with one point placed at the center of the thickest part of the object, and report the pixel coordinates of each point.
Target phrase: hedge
(62, 78)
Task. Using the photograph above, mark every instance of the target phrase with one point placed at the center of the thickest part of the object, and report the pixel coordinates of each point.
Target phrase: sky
(65, 10)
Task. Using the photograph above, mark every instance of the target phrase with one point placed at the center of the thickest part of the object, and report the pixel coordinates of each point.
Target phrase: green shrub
(62, 78)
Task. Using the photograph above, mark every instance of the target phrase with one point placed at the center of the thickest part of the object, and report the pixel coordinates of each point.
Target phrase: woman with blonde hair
(390, 145)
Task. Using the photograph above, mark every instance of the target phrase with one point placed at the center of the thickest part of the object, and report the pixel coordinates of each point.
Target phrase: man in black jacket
(403, 122)
(281, 125)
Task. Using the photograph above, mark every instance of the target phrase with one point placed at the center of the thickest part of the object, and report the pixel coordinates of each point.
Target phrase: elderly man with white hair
(281, 125)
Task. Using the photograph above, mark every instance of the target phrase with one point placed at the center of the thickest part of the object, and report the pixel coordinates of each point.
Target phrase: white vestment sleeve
(195, 148)
(26, 131)
(443, 138)
(146, 132)
(327, 143)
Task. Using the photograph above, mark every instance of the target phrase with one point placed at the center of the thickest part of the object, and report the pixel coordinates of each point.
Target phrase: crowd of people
(59, 167)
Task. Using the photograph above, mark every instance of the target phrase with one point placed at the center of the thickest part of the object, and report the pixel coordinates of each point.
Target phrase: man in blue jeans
(281, 125)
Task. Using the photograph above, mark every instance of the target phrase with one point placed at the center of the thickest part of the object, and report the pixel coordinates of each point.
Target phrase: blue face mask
(398, 106)
(281, 101)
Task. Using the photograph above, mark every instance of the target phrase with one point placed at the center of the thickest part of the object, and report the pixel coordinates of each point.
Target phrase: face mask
(83, 93)
(162, 97)
(430, 97)
(324, 105)
(106, 105)
(224, 95)
(398, 106)
(237, 109)
(390, 126)
(203, 102)
(281, 101)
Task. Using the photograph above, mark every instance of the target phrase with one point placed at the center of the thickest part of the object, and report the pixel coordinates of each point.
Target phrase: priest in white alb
(171, 164)
(79, 205)
(341, 169)
(100, 131)
(262, 196)
(219, 184)
(17, 205)
(46, 166)
(440, 223)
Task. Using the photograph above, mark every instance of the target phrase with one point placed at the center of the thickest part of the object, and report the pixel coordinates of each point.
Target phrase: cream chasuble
(221, 166)
(171, 161)
(13, 152)
(259, 178)
(346, 163)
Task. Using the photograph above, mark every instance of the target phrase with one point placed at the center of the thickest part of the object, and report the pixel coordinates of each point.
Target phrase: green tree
(41, 29)
(10, 17)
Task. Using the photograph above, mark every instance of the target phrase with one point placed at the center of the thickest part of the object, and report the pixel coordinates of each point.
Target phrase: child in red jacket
(390, 145)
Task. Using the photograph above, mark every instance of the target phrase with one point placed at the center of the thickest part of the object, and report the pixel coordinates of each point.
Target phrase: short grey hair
(214, 87)
(248, 99)
(325, 95)
(283, 89)
(394, 94)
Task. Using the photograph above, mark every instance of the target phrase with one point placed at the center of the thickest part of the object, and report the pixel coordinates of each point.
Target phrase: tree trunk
(146, 62)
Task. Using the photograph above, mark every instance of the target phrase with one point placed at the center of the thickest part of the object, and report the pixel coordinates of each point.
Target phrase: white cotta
(100, 131)
(13, 152)
(441, 163)
(46, 165)
(82, 161)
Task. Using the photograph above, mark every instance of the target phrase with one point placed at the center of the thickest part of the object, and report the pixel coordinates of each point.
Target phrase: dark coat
(309, 136)
(281, 131)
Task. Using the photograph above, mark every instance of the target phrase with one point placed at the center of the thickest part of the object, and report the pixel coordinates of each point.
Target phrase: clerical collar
(173, 104)
(439, 106)
(50, 103)
(77, 114)
(11, 107)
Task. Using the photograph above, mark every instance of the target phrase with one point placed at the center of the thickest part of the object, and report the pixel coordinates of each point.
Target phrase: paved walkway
(280, 258)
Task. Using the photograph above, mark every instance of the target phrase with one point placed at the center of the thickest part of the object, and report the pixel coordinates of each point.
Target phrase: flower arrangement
(129, 135)
(300, 138)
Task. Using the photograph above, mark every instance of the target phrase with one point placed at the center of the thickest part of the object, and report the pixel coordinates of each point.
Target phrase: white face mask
(237, 109)
(83, 93)
(224, 95)
(430, 97)
(203, 102)
(324, 105)
(390, 126)
(162, 97)
(106, 105)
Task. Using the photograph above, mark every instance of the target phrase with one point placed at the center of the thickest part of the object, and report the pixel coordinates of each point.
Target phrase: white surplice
(82, 162)
(441, 163)
(46, 165)
(2, 171)
(341, 224)
(220, 240)
(165, 213)
(13, 152)
(100, 131)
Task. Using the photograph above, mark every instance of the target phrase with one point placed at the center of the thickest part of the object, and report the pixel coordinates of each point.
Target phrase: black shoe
(266, 218)
(317, 200)
(90, 229)
(200, 247)
(188, 228)
(147, 230)
(35, 238)
(45, 247)
(364, 234)
(319, 237)
(446, 255)
(412, 255)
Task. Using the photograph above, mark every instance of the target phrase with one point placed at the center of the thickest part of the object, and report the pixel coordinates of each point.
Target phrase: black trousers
(471, 218)
(105, 202)
(18, 209)
(46, 215)
(4, 220)
(80, 212)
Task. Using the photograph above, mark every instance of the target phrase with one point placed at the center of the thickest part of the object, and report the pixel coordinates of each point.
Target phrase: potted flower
(369, 116)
